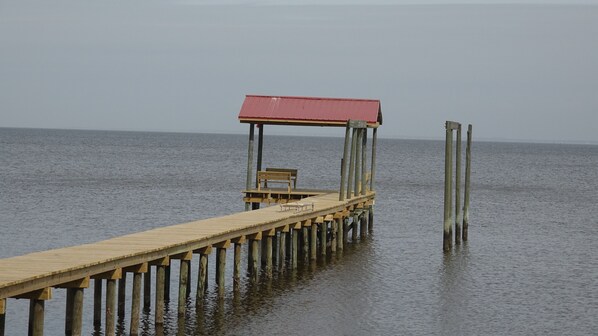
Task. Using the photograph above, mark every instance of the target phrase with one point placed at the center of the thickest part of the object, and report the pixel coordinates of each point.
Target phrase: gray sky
(514, 71)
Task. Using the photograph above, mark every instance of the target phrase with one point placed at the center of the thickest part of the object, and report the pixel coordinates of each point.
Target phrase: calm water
(530, 267)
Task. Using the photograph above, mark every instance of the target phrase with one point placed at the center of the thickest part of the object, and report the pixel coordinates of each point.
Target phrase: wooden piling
(341, 194)
(161, 265)
(447, 239)
(2, 316)
(237, 264)
(467, 182)
(346, 231)
(68, 318)
(351, 163)
(358, 160)
(135, 305)
(110, 307)
(185, 260)
(255, 270)
(371, 219)
(260, 146)
(147, 290)
(458, 218)
(340, 232)
(36, 317)
(268, 252)
(295, 248)
(167, 282)
(202, 277)
(97, 303)
(249, 162)
(77, 317)
(220, 268)
(364, 137)
(363, 229)
(373, 166)
(313, 242)
(333, 236)
(122, 294)
(282, 250)
(354, 226)
(323, 238)
(305, 247)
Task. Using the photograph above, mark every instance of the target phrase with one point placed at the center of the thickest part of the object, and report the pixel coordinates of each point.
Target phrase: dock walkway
(33, 275)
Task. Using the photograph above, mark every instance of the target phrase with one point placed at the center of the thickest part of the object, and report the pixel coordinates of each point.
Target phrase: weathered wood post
(260, 147)
(160, 276)
(340, 232)
(138, 271)
(147, 289)
(238, 244)
(254, 241)
(270, 236)
(358, 160)
(371, 219)
(36, 317)
(351, 162)
(306, 226)
(448, 177)
(458, 218)
(333, 231)
(346, 227)
(364, 138)
(363, 229)
(344, 162)
(373, 166)
(295, 247)
(282, 248)
(97, 303)
(249, 163)
(167, 282)
(122, 294)
(313, 241)
(323, 236)
(110, 307)
(467, 183)
(2, 316)
(221, 265)
(202, 277)
(185, 260)
(354, 225)
(74, 305)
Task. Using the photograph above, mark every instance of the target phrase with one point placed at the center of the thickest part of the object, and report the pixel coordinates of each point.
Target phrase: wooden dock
(33, 276)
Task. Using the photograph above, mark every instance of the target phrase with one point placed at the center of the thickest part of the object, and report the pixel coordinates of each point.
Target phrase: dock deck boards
(26, 273)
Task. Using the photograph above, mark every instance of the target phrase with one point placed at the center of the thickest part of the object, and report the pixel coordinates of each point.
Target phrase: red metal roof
(310, 111)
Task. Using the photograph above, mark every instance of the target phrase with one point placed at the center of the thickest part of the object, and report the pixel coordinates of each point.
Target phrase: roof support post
(249, 162)
(373, 166)
(364, 157)
(260, 146)
(358, 162)
(351, 163)
(344, 162)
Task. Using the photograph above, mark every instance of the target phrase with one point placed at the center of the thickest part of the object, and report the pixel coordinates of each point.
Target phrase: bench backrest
(293, 172)
(274, 175)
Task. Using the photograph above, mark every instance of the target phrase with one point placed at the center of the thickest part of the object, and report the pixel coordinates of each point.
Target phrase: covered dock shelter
(355, 115)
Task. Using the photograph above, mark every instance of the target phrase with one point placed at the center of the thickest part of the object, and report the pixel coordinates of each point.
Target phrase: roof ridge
(314, 98)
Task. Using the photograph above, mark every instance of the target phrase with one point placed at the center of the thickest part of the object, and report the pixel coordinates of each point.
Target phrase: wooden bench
(297, 206)
(273, 177)
(286, 170)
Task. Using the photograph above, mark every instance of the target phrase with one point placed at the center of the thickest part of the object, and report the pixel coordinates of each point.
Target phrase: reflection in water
(452, 296)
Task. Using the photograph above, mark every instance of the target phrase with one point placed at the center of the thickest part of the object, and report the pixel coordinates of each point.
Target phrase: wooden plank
(110, 275)
(40, 294)
(183, 256)
(140, 268)
(79, 283)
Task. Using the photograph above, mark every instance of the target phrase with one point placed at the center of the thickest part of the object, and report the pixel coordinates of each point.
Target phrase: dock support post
(122, 294)
(183, 279)
(358, 160)
(351, 162)
(249, 163)
(202, 277)
(282, 250)
(333, 236)
(289, 244)
(36, 317)
(294, 248)
(323, 238)
(254, 257)
(448, 176)
(344, 163)
(68, 319)
(345, 231)
(313, 242)
(97, 303)
(268, 252)
(220, 268)
(364, 224)
(147, 289)
(467, 183)
(74, 310)
(2, 316)
(458, 218)
(340, 233)
(167, 282)
(371, 219)
(160, 281)
(135, 304)
(373, 167)
(305, 247)
(364, 137)
(354, 226)
(110, 306)
(237, 264)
